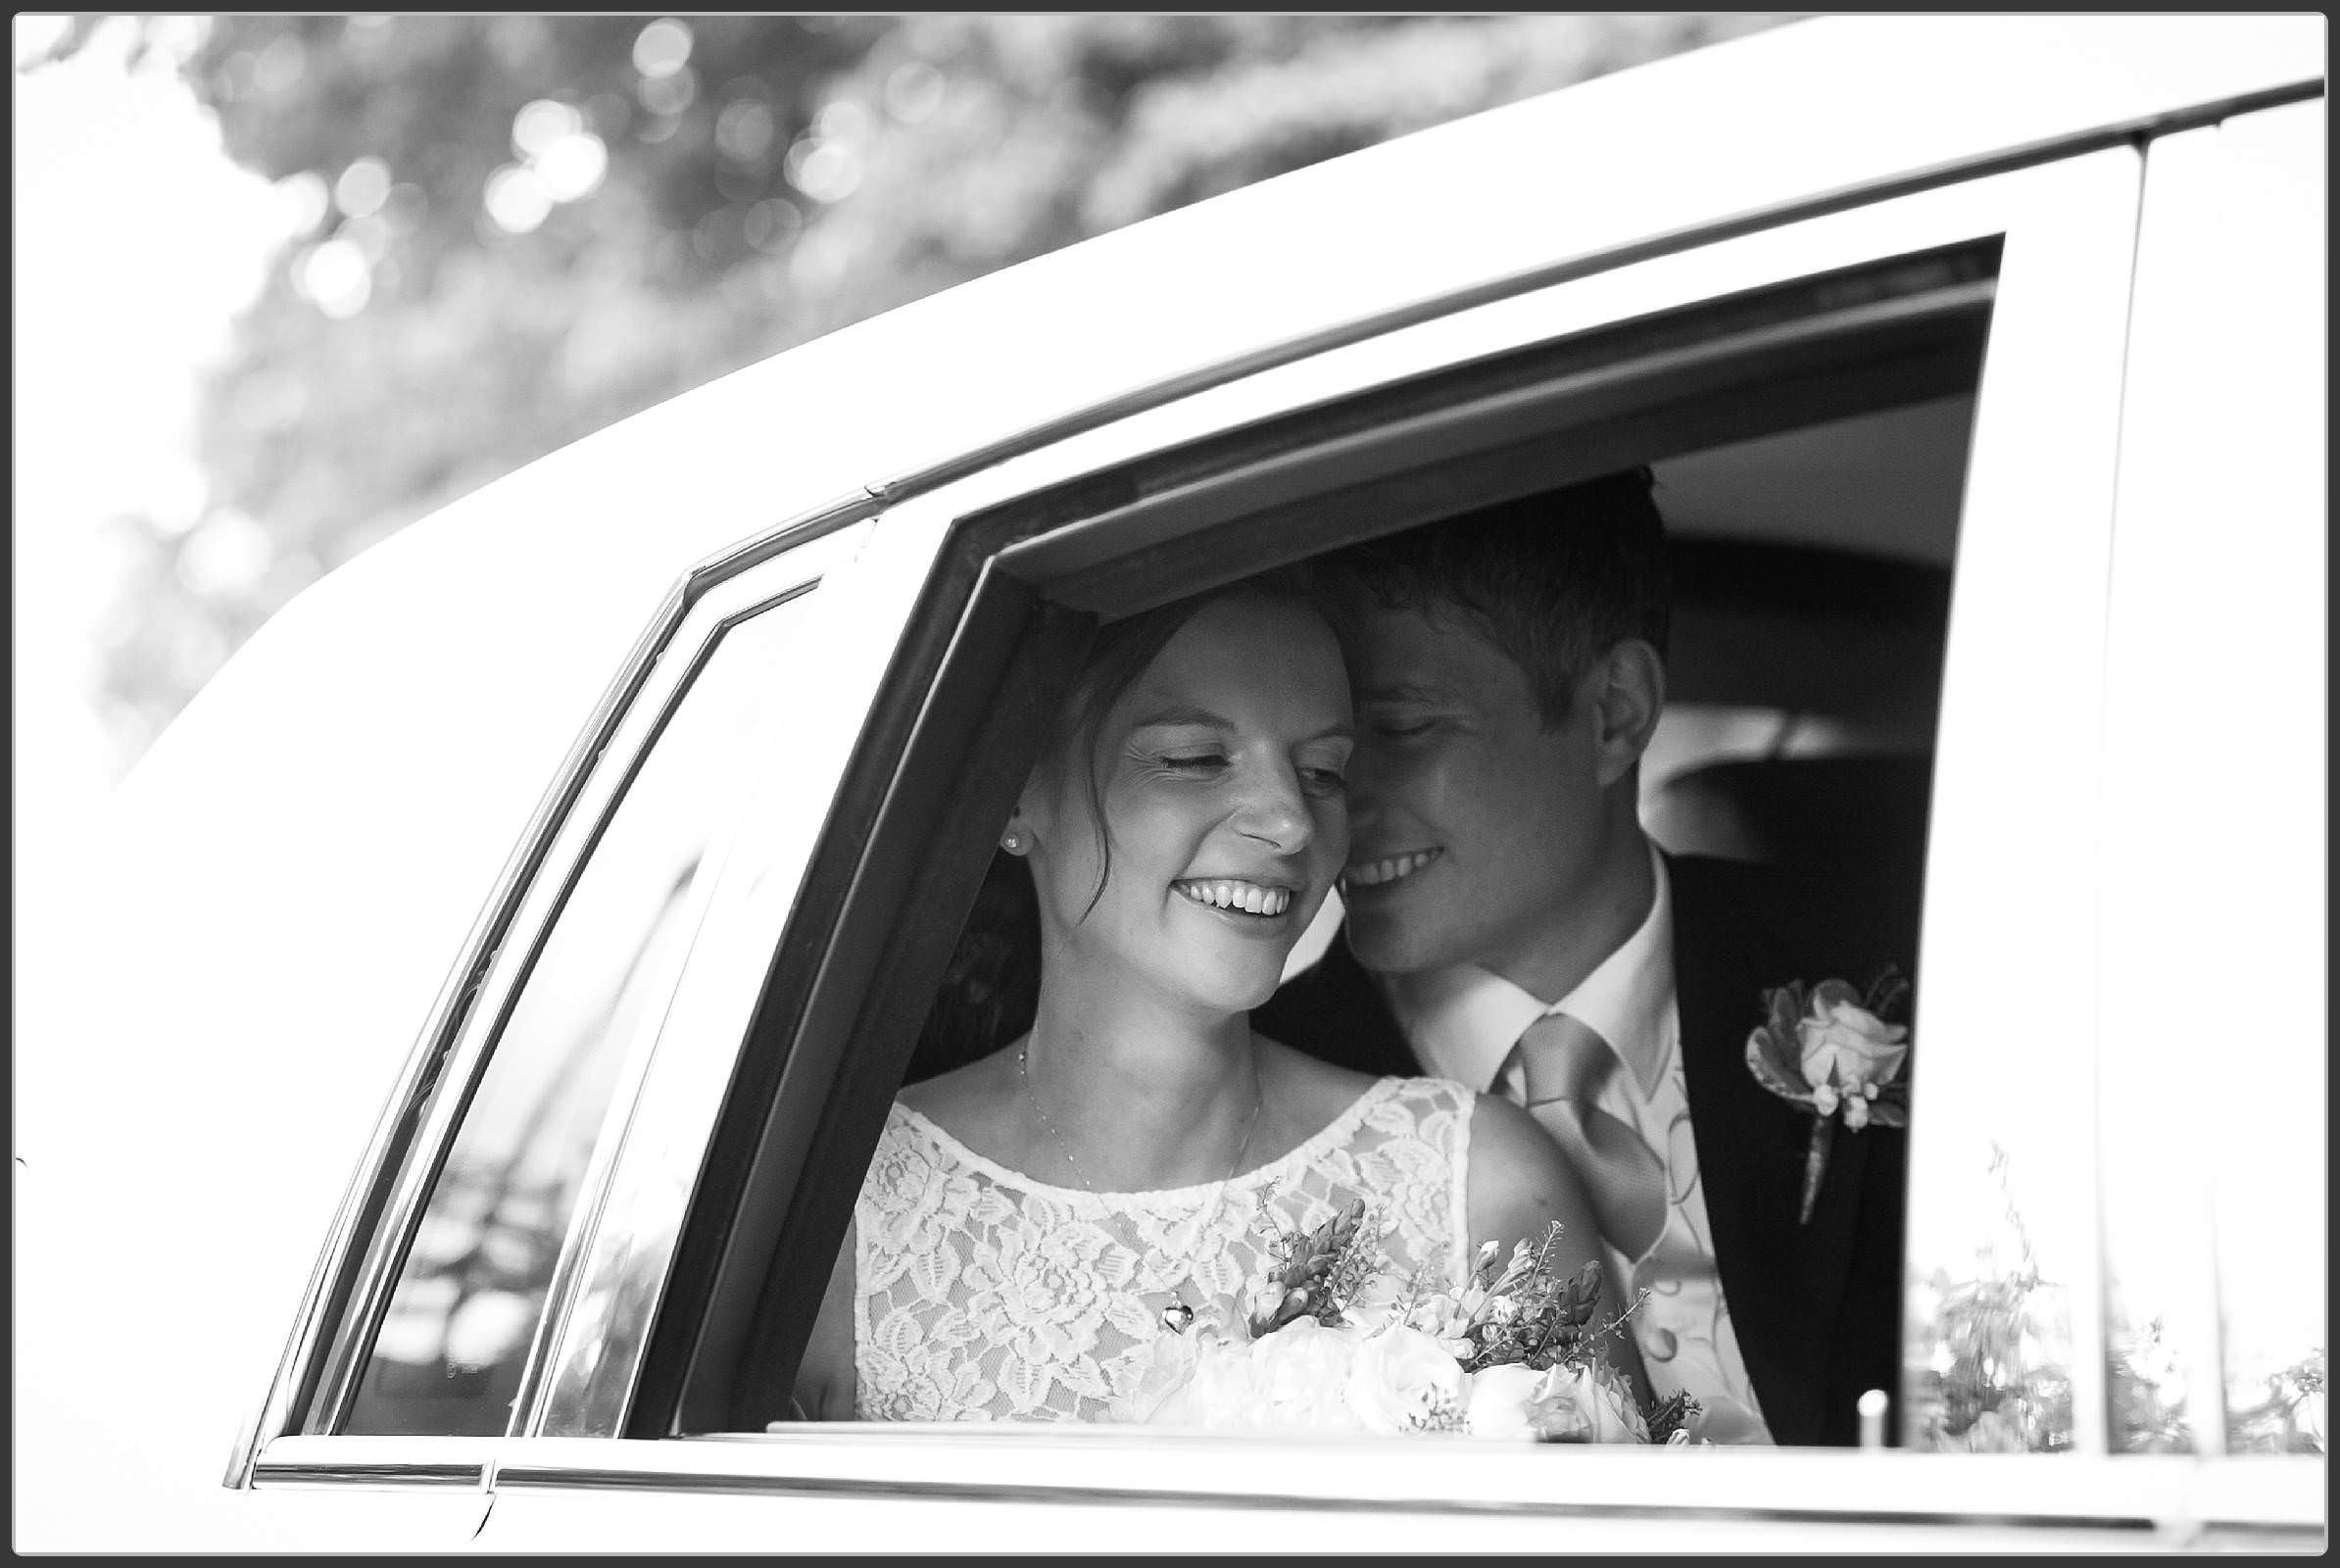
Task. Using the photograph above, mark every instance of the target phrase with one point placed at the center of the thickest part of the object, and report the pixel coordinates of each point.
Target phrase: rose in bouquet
(1334, 1342)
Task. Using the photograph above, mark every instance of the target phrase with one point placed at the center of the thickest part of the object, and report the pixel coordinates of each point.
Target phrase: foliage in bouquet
(1334, 1345)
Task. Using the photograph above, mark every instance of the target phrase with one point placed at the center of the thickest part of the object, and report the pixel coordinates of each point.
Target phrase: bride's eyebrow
(1168, 717)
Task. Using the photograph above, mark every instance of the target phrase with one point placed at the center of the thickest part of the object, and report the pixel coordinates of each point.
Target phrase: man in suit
(1509, 924)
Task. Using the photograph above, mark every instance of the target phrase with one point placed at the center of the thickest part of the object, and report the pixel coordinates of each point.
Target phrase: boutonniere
(1829, 1049)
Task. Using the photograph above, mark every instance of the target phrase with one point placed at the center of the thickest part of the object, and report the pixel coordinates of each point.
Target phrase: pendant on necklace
(1178, 1317)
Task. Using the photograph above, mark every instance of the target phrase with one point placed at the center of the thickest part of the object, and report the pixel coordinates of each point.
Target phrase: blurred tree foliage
(480, 281)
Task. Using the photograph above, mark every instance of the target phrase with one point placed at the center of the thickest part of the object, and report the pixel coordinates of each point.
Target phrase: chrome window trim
(728, 604)
(586, 1380)
(2154, 1499)
(350, 1286)
(269, 1472)
(435, 1464)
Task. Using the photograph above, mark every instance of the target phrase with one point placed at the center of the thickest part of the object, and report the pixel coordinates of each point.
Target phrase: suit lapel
(1784, 1281)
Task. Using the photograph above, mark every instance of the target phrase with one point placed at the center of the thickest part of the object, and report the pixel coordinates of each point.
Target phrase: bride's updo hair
(991, 989)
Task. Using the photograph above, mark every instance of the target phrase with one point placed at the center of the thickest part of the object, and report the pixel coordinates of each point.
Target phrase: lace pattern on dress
(983, 1295)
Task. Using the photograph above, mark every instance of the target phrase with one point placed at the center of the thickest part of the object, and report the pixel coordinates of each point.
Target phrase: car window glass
(452, 1346)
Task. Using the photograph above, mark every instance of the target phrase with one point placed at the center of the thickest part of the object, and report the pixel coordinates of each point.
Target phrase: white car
(490, 988)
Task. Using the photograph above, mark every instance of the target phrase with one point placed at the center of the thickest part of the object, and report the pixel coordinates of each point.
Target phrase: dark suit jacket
(1816, 1307)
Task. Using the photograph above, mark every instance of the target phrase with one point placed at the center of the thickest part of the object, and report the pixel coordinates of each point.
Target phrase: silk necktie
(1565, 1064)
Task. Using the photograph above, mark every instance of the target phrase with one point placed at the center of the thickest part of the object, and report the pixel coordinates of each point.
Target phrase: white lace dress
(983, 1295)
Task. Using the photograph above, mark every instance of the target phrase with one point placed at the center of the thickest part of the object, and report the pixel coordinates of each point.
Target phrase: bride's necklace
(1024, 1072)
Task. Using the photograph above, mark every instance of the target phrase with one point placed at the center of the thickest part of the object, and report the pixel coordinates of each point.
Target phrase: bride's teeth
(1248, 897)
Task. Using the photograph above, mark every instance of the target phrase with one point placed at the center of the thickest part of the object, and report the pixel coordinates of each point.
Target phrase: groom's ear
(1629, 695)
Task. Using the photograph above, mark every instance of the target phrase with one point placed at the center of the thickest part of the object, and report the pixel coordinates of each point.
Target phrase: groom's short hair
(1553, 580)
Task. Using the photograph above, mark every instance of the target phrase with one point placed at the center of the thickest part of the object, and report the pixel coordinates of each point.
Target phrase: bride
(1034, 1219)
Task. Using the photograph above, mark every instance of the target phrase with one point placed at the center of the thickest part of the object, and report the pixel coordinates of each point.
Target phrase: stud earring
(1012, 841)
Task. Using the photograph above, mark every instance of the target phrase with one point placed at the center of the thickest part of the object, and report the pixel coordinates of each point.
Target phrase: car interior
(1811, 589)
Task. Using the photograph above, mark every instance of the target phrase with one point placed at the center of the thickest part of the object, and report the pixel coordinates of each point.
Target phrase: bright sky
(137, 241)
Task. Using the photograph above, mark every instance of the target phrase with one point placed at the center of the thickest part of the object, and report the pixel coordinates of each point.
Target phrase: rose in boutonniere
(1831, 1050)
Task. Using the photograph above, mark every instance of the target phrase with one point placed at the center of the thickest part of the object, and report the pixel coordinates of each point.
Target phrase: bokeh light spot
(573, 168)
(913, 92)
(370, 234)
(542, 123)
(717, 234)
(336, 279)
(279, 64)
(745, 130)
(305, 198)
(845, 121)
(226, 554)
(516, 199)
(772, 224)
(663, 48)
(669, 94)
(825, 171)
(362, 188)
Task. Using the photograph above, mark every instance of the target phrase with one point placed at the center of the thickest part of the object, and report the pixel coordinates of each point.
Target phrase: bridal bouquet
(1332, 1344)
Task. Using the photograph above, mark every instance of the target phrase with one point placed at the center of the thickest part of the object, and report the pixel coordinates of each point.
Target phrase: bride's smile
(1184, 862)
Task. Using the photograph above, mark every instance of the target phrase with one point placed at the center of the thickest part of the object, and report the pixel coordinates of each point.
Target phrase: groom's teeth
(1373, 873)
(1248, 897)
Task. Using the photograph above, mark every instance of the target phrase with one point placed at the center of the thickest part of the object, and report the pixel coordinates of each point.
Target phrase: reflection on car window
(450, 1352)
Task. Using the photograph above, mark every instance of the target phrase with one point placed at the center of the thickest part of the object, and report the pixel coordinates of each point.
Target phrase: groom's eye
(1400, 729)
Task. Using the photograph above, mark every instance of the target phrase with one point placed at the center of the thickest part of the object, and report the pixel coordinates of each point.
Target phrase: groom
(1510, 925)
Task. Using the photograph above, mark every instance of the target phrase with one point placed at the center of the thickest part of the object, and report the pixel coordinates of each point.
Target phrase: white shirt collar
(1464, 1020)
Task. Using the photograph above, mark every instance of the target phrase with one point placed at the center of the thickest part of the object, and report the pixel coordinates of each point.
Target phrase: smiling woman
(1035, 1220)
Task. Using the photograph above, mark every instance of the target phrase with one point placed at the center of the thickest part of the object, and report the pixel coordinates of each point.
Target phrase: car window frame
(1098, 505)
